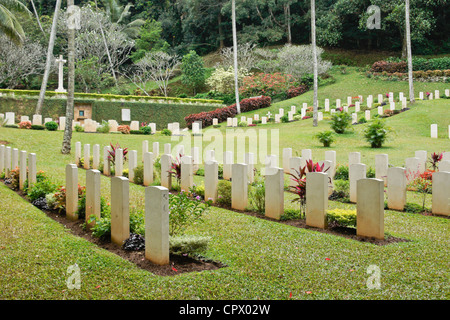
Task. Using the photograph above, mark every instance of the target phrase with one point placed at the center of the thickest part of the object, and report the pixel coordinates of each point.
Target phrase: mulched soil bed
(178, 263)
(334, 229)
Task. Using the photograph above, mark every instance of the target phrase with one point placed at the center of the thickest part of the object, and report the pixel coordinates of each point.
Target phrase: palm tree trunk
(287, 12)
(408, 44)
(236, 84)
(314, 50)
(107, 50)
(66, 144)
(37, 16)
(48, 63)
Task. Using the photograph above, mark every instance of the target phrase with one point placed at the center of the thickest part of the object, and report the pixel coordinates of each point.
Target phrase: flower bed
(228, 112)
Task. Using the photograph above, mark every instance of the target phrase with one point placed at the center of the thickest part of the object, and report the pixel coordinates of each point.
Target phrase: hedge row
(159, 113)
(81, 95)
(419, 64)
(222, 114)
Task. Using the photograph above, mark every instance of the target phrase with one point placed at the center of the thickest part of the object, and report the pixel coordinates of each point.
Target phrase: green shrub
(40, 189)
(79, 128)
(184, 211)
(139, 174)
(137, 132)
(13, 126)
(413, 208)
(341, 191)
(188, 244)
(224, 192)
(291, 214)
(51, 126)
(104, 127)
(285, 118)
(340, 121)
(166, 132)
(370, 173)
(242, 124)
(346, 218)
(341, 172)
(146, 130)
(257, 195)
(37, 127)
(325, 137)
(376, 133)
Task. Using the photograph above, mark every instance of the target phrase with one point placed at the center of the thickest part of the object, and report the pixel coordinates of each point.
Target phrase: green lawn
(265, 260)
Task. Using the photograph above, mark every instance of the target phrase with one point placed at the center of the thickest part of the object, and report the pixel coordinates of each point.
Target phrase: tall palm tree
(408, 45)
(236, 84)
(314, 50)
(9, 23)
(118, 14)
(48, 64)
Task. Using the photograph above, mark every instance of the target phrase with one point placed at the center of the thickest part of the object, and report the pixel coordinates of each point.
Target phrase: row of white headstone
(12, 159)
(156, 211)
(396, 179)
(89, 125)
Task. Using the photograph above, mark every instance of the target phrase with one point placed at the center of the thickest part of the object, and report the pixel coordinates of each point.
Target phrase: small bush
(166, 132)
(188, 244)
(79, 128)
(139, 174)
(340, 121)
(137, 132)
(25, 125)
(125, 129)
(376, 133)
(104, 127)
(341, 172)
(326, 138)
(291, 214)
(51, 126)
(40, 189)
(242, 124)
(257, 195)
(224, 192)
(37, 127)
(146, 130)
(285, 118)
(342, 217)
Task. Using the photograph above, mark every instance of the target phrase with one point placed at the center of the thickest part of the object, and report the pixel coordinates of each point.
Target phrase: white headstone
(274, 193)
(239, 186)
(441, 193)
(370, 208)
(396, 188)
(434, 131)
(356, 172)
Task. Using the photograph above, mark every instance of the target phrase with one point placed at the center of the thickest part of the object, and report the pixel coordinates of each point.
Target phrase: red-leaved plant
(435, 159)
(300, 179)
(176, 169)
(112, 153)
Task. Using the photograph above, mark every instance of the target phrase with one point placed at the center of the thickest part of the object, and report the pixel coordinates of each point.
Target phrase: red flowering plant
(269, 84)
(25, 125)
(60, 196)
(422, 184)
(299, 177)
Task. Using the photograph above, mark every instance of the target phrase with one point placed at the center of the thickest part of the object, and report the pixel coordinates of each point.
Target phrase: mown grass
(265, 260)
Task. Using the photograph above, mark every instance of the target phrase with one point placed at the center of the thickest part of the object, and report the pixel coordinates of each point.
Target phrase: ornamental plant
(423, 186)
(51, 126)
(269, 84)
(299, 177)
(343, 217)
(435, 158)
(184, 211)
(340, 121)
(376, 133)
(25, 125)
(326, 138)
(125, 129)
(175, 169)
(112, 154)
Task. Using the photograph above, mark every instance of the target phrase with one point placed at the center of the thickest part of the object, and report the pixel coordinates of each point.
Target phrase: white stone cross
(60, 61)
